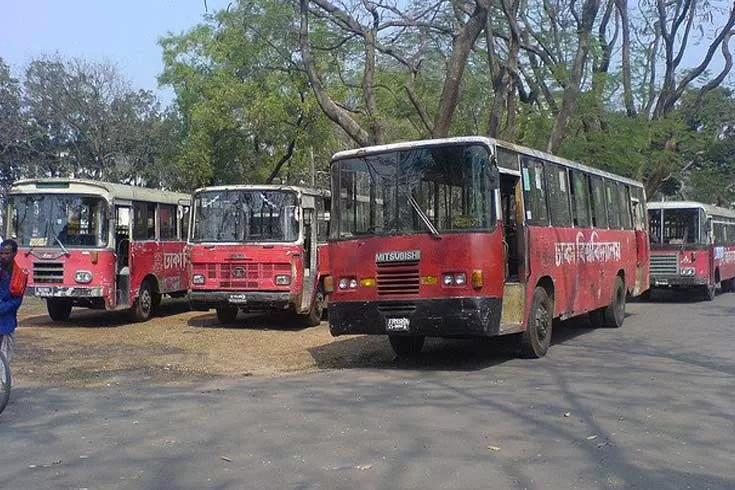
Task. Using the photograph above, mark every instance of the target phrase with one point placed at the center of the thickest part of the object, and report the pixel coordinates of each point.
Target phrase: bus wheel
(709, 291)
(226, 314)
(58, 309)
(407, 346)
(143, 307)
(535, 340)
(613, 315)
(314, 317)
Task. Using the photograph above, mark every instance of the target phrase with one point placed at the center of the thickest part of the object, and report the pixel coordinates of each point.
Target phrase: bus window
(599, 214)
(167, 221)
(557, 187)
(613, 210)
(534, 195)
(145, 221)
(580, 199)
(626, 221)
(183, 215)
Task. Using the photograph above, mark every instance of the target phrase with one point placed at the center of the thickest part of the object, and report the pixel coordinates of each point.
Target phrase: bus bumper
(65, 291)
(678, 282)
(438, 317)
(247, 300)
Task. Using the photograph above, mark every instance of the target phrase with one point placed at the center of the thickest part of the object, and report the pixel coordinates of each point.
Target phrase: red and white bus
(259, 248)
(475, 237)
(692, 246)
(99, 245)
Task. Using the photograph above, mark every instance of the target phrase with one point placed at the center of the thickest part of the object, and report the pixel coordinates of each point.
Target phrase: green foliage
(247, 111)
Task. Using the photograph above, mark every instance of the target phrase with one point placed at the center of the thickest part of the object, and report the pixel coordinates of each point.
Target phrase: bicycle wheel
(4, 382)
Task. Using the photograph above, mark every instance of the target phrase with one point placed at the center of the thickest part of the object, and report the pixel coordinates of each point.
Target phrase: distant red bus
(259, 248)
(475, 237)
(99, 245)
(692, 246)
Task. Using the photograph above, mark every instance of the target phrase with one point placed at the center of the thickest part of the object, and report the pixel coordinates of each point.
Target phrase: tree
(246, 108)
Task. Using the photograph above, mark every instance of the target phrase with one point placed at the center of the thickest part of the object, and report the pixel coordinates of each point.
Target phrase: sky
(124, 32)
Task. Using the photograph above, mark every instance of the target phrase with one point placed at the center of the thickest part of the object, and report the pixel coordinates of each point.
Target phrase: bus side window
(613, 210)
(580, 199)
(144, 221)
(167, 221)
(626, 221)
(599, 213)
(557, 187)
(534, 194)
(183, 218)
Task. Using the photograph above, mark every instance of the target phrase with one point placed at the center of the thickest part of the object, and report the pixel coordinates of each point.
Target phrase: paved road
(648, 406)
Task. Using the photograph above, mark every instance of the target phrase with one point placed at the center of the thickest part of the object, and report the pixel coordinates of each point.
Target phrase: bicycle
(4, 382)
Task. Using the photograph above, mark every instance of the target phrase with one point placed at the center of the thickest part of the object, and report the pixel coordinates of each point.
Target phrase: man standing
(13, 281)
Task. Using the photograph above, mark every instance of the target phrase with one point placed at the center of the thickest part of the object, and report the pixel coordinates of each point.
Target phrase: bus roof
(109, 190)
(490, 142)
(312, 191)
(707, 208)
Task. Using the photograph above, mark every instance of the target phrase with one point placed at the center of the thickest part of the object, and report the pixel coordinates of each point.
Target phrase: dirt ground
(97, 348)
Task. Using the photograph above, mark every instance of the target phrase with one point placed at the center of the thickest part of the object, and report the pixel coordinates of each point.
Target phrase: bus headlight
(282, 280)
(83, 277)
(454, 278)
(198, 279)
(687, 271)
(348, 283)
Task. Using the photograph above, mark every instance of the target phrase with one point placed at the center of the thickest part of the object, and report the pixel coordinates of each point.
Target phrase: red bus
(475, 237)
(99, 245)
(259, 248)
(692, 246)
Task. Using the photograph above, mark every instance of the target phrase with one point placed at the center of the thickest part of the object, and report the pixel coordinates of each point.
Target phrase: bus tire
(710, 291)
(535, 340)
(227, 314)
(58, 309)
(316, 312)
(614, 314)
(407, 346)
(143, 306)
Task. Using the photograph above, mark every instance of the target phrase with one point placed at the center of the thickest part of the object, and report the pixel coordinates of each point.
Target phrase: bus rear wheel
(613, 315)
(536, 339)
(144, 304)
(58, 309)
(226, 314)
(316, 312)
(407, 346)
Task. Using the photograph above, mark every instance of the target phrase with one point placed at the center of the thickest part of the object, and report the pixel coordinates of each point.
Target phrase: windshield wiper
(66, 251)
(424, 218)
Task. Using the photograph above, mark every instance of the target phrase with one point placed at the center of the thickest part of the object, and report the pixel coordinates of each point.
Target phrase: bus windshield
(676, 226)
(432, 189)
(245, 216)
(58, 220)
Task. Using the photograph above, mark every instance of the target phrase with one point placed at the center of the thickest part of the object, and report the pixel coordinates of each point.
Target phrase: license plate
(43, 291)
(397, 324)
(238, 298)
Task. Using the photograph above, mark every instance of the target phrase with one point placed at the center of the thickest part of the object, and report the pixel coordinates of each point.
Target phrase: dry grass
(95, 348)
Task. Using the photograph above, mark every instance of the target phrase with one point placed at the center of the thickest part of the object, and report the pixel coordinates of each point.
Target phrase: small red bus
(692, 246)
(475, 237)
(99, 245)
(259, 248)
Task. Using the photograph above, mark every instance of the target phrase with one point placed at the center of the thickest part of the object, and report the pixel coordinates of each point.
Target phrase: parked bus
(692, 246)
(99, 245)
(259, 248)
(474, 237)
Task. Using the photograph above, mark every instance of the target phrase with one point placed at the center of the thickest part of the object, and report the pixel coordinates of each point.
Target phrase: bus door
(514, 288)
(123, 230)
(642, 246)
(311, 252)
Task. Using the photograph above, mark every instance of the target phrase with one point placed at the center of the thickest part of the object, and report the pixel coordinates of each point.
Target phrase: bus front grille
(243, 276)
(664, 264)
(48, 272)
(399, 278)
